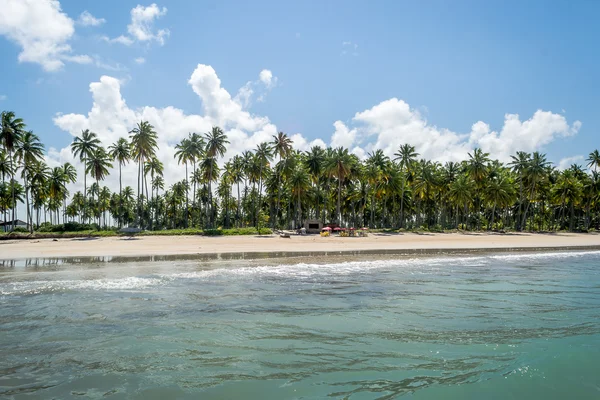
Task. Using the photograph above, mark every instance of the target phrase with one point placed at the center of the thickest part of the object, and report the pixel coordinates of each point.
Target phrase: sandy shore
(180, 245)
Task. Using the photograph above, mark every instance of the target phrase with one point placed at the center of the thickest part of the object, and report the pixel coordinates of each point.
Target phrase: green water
(504, 326)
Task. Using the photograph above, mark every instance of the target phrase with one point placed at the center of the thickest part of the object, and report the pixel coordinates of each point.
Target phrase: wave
(415, 265)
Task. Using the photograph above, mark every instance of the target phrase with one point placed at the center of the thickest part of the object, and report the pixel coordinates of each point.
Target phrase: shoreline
(238, 247)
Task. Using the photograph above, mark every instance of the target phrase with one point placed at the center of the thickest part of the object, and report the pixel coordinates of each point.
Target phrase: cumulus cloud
(266, 77)
(386, 125)
(141, 28)
(87, 19)
(42, 31)
(566, 162)
(264, 84)
(393, 122)
(110, 117)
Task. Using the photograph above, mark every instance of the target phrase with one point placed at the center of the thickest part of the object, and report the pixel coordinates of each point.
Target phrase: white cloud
(140, 60)
(42, 31)
(566, 162)
(387, 125)
(342, 136)
(110, 117)
(3, 97)
(87, 19)
(124, 40)
(141, 27)
(266, 77)
(392, 123)
(142, 19)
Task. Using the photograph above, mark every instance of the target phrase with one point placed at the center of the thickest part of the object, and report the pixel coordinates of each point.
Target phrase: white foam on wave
(131, 283)
(416, 265)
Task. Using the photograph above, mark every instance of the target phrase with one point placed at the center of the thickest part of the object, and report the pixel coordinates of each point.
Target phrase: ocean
(511, 325)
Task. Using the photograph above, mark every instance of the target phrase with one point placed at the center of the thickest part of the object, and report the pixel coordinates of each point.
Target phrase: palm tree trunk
(339, 201)
(238, 206)
(527, 206)
(299, 210)
(187, 190)
(14, 199)
(27, 214)
(493, 213)
(120, 198)
(402, 204)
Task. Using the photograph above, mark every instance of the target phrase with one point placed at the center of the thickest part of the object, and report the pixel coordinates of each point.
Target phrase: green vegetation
(278, 187)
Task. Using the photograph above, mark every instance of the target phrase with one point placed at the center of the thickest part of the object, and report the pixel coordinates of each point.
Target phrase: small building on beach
(8, 225)
(313, 226)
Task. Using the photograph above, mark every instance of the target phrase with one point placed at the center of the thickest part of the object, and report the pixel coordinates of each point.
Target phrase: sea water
(496, 326)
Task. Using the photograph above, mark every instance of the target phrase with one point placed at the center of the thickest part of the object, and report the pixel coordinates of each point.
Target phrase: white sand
(170, 245)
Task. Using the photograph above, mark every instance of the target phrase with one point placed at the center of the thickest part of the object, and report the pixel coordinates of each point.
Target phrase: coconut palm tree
(339, 165)
(262, 157)
(461, 194)
(498, 191)
(154, 167)
(313, 159)
(143, 147)
(594, 160)
(282, 146)
(83, 147)
(98, 165)
(11, 129)
(299, 183)
(28, 149)
(519, 164)
(535, 172)
(215, 147)
(120, 151)
(186, 152)
(5, 171)
(405, 157)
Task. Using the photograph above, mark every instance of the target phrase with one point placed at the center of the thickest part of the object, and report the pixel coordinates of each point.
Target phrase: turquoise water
(503, 326)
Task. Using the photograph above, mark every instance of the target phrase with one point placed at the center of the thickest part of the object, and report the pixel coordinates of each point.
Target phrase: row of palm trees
(281, 187)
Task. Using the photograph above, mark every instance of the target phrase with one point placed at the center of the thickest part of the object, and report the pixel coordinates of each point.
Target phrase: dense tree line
(278, 186)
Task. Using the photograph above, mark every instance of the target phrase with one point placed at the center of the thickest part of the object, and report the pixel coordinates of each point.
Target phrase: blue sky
(452, 63)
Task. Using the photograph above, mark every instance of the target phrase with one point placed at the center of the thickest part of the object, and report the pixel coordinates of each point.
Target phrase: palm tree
(57, 186)
(11, 129)
(120, 151)
(299, 183)
(520, 163)
(313, 159)
(215, 147)
(237, 176)
(143, 147)
(477, 168)
(28, 150)
(594, 160)
(282, 146)
(498, 191)
(461, 194)
(262, 157)
(98, 165)
(5, 170)
(535, 171)
(339, 164)
(405, 157)
(83, 147)
(186, 152)
(154, 167)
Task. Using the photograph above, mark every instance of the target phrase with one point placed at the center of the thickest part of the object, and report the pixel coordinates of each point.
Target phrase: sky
(446, 77)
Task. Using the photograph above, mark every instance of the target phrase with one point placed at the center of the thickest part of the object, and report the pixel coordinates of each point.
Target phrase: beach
(190, 245)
